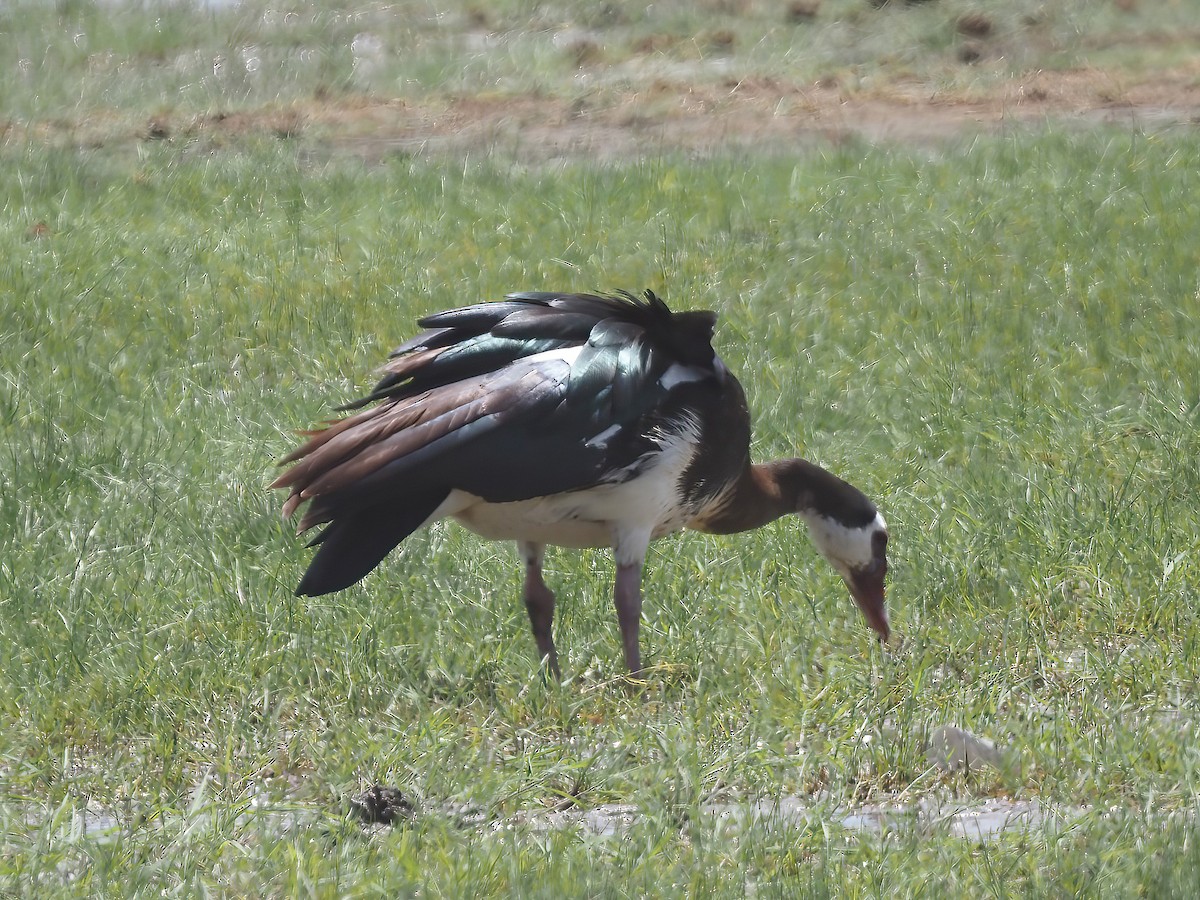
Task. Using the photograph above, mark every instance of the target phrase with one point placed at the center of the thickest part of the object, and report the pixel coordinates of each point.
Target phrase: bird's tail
(351, 547)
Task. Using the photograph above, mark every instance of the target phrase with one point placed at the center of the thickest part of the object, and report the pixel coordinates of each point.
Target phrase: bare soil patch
(763, 115)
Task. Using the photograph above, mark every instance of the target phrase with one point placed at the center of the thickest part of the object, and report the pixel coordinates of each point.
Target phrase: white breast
(594, 516)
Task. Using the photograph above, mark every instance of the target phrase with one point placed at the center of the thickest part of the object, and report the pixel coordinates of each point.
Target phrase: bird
(563, 419)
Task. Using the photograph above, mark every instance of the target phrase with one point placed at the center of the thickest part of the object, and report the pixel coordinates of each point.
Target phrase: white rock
(952, 749)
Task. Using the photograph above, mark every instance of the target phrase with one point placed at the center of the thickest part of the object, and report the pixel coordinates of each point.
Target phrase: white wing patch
(563, 354)
(678, 374)
(602, 439)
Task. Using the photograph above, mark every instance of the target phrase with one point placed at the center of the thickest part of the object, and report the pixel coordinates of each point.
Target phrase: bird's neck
(762, 493)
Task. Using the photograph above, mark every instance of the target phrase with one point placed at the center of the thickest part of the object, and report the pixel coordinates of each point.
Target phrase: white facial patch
(847, 549)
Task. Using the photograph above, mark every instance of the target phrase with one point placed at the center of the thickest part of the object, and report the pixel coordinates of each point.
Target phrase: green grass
(78, 65)
(998, 343)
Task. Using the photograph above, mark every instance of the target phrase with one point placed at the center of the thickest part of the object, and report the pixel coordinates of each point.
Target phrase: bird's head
(848, 531)
(859, 554)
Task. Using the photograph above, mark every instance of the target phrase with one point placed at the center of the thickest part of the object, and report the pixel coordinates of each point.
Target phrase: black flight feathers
(473, 340)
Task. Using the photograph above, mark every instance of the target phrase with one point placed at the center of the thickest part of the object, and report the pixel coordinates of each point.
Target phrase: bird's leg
(627, 596)
(539, 603)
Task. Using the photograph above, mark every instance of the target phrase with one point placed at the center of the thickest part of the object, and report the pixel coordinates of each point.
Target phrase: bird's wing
(508, 400)
(536, 395)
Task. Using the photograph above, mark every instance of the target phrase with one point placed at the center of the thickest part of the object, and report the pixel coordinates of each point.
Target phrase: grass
(82, 66)
(995, 343)
(995, 339)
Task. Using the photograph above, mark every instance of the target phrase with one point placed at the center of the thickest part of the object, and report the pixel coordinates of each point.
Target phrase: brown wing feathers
(341, 459)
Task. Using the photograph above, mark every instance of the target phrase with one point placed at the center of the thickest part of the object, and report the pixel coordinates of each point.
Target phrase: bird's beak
(866, 586)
